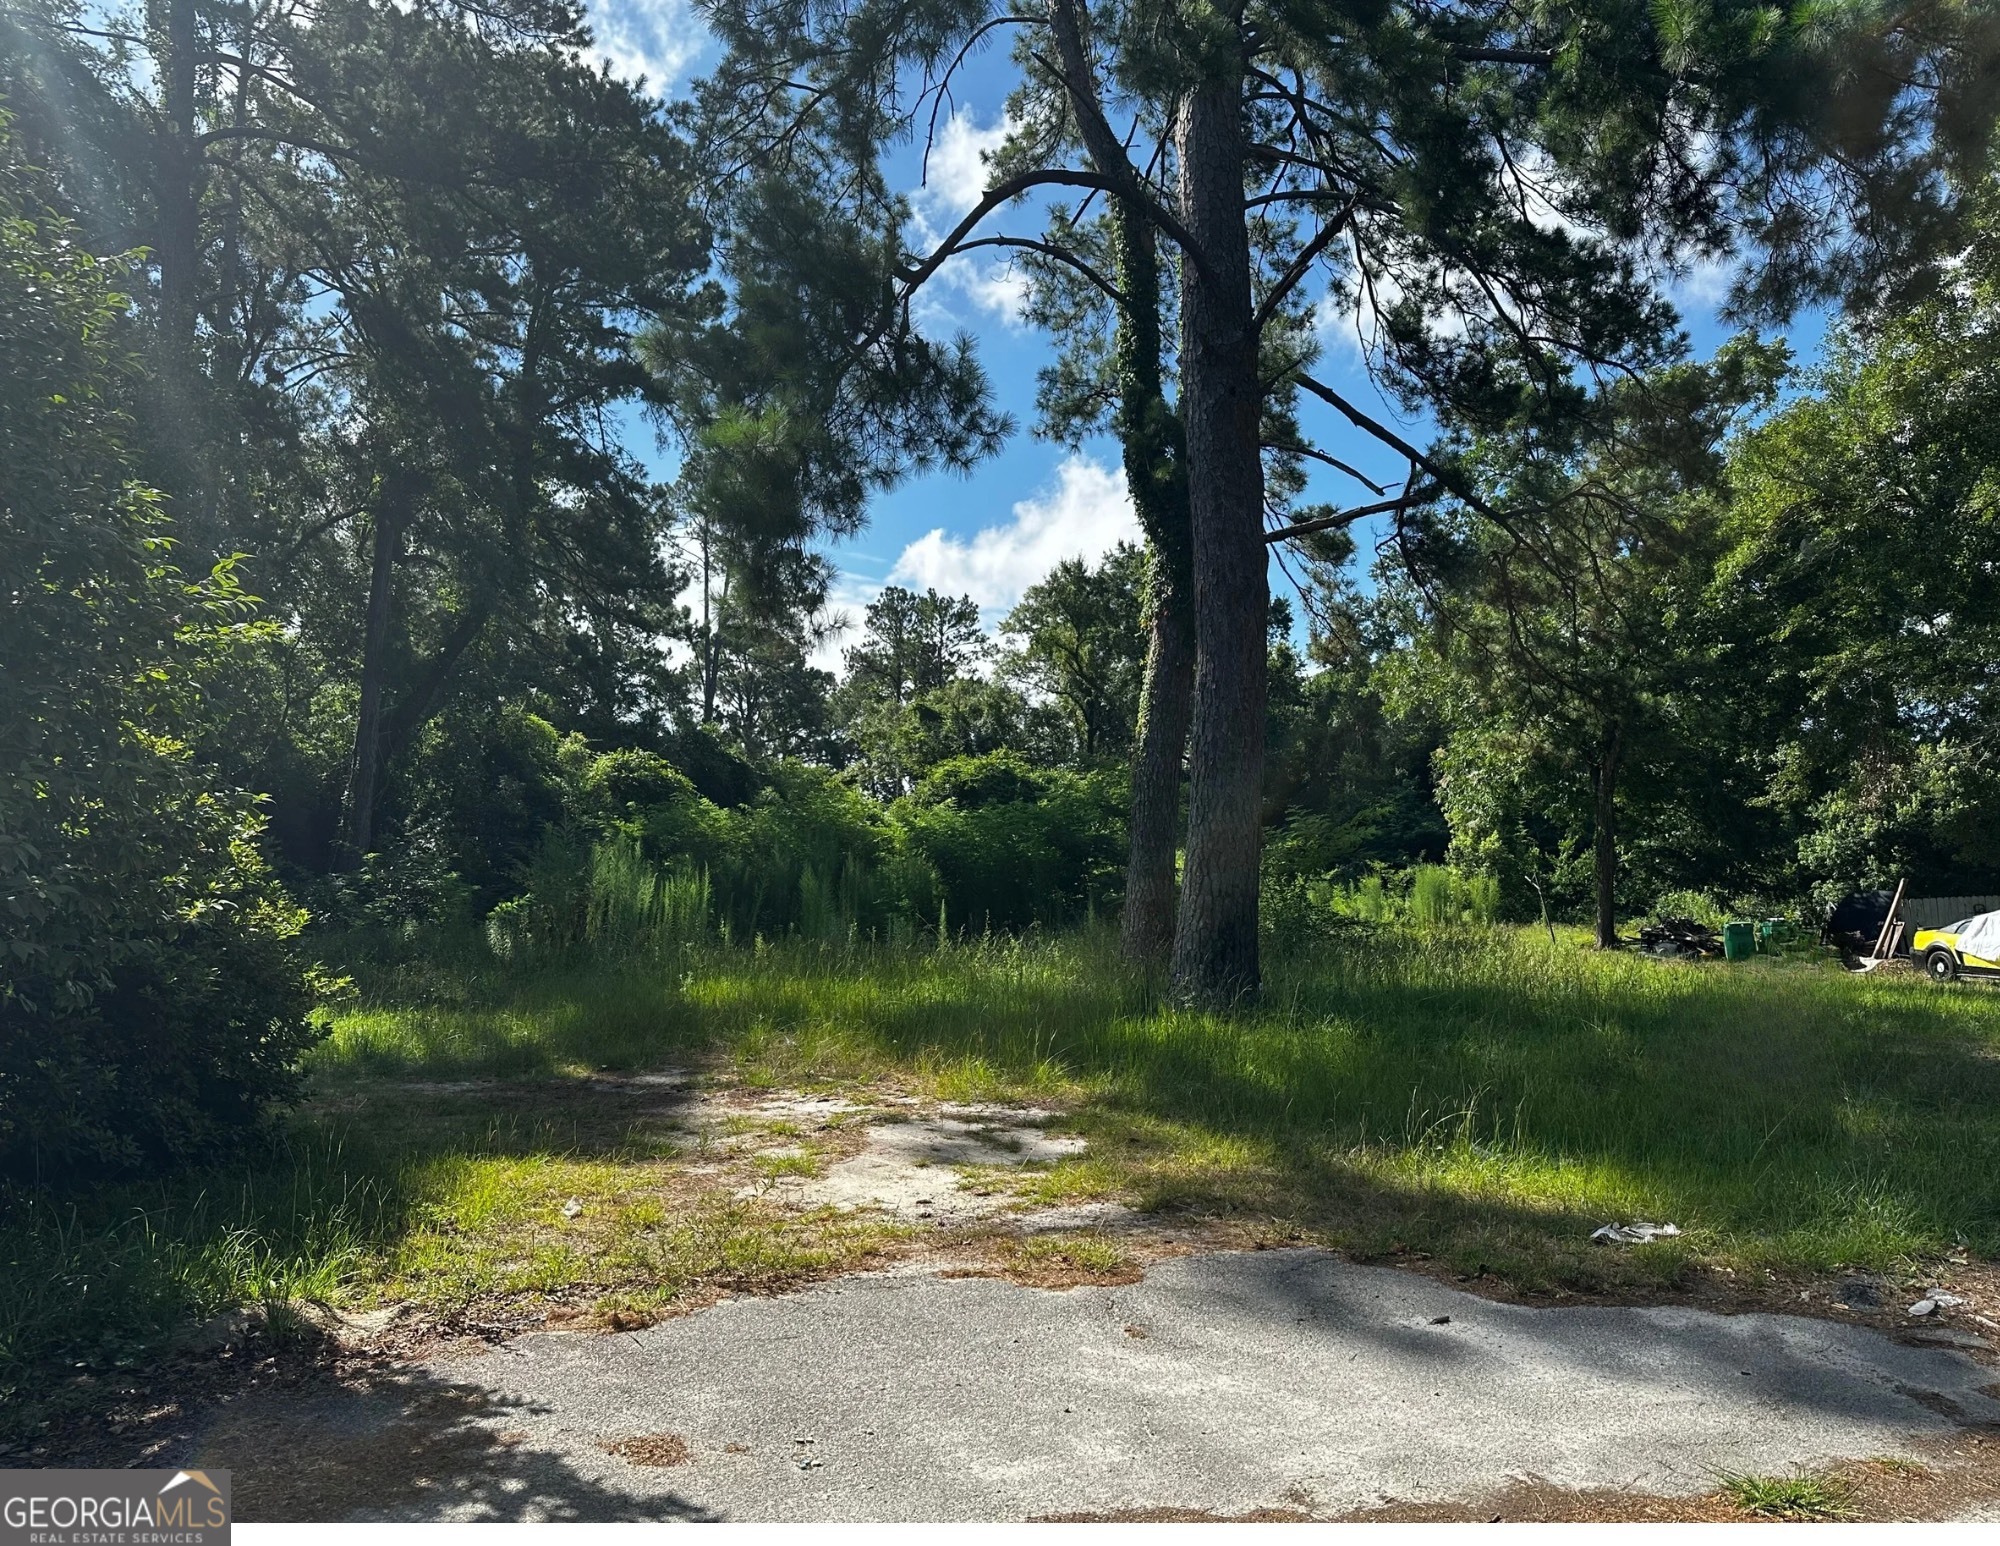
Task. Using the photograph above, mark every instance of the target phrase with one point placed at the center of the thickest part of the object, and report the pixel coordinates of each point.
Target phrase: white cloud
(839, 621)
(1086, 514)
(1349, 321)
(1337, 321)
(996, 287)
(654, 39)
(956, 174)
(1703, 284)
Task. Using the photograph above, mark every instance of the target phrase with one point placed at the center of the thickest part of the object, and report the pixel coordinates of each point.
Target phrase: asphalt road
(1228, 1383)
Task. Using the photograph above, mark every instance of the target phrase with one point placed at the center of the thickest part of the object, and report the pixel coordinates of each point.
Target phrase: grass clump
(1802, 1495)
(1067, 1261)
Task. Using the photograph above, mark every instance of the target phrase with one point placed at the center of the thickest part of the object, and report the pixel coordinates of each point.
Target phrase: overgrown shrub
(805, 855)
(1012, 844)
(150, 1003)
(1297, 912)
(1699, 906)
(485, 790)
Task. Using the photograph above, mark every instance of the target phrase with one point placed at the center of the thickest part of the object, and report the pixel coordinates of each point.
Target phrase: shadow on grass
(94, 1279)
(1785, 1115)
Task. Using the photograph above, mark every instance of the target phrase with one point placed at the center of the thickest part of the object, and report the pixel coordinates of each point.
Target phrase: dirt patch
(1958, 1476)
(1177, 1516)
(600, 1317)
(650, 1449)
(953, 1169)
(1540, 1502)
(910, 1168)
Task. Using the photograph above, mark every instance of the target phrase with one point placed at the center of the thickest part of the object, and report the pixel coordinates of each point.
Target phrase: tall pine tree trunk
(365, 778)
(1215, 944)
(1155, 472)
(1604, 856)
(177, 430)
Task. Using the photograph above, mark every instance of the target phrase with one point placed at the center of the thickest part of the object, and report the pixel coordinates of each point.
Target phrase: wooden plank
(1882, 938)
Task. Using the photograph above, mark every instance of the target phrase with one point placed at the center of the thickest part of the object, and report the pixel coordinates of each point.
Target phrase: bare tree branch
(1051, 250)
(1402, 501)
(1011, 188)
(1458, 486)
(1314, 453)
(1301, 265)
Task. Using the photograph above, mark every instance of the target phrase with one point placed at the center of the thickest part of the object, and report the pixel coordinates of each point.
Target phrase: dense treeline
(149, 1005)
(338, 608)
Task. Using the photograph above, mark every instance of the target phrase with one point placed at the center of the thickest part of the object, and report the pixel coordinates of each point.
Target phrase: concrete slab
(1225, 1382)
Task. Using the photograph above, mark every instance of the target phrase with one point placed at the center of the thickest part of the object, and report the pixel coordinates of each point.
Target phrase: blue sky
(994, 533)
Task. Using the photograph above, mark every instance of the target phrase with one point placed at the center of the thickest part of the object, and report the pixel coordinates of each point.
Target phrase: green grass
(1801, 1495)
(1477, 1096)
(1082, 1257)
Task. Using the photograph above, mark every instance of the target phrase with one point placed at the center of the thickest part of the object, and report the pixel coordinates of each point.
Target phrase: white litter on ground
(1633, 1234)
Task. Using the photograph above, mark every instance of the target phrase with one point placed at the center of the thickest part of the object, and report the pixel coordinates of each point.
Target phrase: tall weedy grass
(603, 901)
(97, 1278)
(1481, 1095)
(640, 911)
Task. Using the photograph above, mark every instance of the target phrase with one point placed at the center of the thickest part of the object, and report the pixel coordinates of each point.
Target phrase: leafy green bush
(1013, 844)
(150, 1002)
(1297, 911)
(485, 789)
(1699, 906)
(642, 796)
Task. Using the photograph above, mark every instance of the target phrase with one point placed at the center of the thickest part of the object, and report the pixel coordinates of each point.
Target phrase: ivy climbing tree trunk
(1215, 960)
(1156, 473)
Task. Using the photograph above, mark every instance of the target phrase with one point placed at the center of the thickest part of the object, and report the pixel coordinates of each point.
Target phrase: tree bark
(177, 252)
(364, 783)
(1156, 474)
(711, 639)
(1146, 931)
(1215, 961)
(1604, 856)
(426, 692)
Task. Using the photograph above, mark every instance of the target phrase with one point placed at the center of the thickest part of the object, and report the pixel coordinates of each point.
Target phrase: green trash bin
(1739, 940)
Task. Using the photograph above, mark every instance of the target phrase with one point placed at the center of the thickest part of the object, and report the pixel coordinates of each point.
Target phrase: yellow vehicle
(1970, 947)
